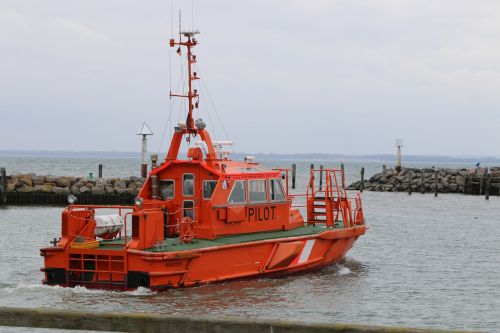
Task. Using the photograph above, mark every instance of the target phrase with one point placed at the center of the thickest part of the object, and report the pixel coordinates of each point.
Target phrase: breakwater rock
(31, 183)
(472, 181)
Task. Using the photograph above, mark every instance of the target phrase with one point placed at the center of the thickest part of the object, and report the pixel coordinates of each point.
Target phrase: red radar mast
(191, 127)
(192, 93)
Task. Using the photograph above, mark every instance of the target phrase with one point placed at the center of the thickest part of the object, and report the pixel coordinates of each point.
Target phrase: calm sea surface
(424, 262)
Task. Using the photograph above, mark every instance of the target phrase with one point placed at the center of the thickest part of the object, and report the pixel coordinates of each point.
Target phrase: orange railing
(284, 172)
(91, 216)
(330, 195)
(332, 198)
(187, 228)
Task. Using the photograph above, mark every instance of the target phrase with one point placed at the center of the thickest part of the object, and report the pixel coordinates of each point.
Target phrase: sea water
(424, 262)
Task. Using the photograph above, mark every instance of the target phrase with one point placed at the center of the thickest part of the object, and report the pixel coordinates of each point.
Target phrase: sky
(340, 77)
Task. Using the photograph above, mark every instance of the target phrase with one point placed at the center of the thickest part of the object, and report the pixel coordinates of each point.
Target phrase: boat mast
(191, 128)
(192, 93)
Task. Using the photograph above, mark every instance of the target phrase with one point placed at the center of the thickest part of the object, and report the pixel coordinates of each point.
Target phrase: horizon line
(59, 151)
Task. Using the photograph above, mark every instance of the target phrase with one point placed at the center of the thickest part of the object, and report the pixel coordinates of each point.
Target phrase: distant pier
(30, 189)
(477, 181)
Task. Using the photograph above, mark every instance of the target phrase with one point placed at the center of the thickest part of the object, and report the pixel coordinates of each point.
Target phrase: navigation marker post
(144, 131)
(399, 144)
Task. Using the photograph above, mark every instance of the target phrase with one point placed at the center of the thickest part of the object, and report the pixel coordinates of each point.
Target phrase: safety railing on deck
(330, 196)
(186, 227)
(91, 217)
(330, 204)
(284, 175)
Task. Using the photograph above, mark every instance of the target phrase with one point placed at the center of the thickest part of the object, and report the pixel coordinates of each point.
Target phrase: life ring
(186, 231)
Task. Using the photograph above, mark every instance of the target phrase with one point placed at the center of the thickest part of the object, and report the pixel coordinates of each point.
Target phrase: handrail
(335, 197)
(194, 222)
(70, 207)
(125, 229)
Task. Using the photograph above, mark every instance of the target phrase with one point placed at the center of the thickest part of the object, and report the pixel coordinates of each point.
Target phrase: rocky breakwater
(64, 185)
(471, 181)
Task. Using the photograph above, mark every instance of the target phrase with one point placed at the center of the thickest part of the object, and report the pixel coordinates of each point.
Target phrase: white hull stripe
(306, 251)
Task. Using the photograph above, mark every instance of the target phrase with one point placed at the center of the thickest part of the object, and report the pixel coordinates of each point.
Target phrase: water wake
(34, 288)
(9, 290)
(342, 270)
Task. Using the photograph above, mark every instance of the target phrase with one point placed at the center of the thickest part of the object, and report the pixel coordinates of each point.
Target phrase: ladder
(329, 205)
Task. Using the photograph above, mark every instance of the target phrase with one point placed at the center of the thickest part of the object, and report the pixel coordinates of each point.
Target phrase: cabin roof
(236, 167)
(230, 168)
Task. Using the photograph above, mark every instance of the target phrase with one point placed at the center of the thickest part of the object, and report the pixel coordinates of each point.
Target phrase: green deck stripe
(173, 244)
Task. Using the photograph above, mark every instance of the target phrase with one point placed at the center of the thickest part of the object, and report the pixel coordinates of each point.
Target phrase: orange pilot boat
(203, 219)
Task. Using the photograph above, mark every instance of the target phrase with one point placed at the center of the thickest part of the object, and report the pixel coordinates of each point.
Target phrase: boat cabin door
(189, 188)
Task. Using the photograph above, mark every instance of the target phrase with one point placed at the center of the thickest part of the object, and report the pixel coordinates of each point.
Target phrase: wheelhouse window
(188, 184)
(188, 209)
(167, 189)
(257, 190)
(276, 190)
(238, 193)
(209, 188)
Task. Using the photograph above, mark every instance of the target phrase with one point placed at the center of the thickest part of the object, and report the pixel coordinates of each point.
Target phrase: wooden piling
(294, 175)
(3, 187)
(312, 177)
(409, 182)
(487, 186)
(436, 175)
(343, 176)
(100, 171)
(362, 186)
(320, 177)
(481, 185)
(422, 182)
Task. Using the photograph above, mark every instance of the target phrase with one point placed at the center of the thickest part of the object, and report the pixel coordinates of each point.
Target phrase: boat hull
(129, 269)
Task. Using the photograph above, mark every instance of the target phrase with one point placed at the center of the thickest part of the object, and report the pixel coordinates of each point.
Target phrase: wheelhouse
(220, 197)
